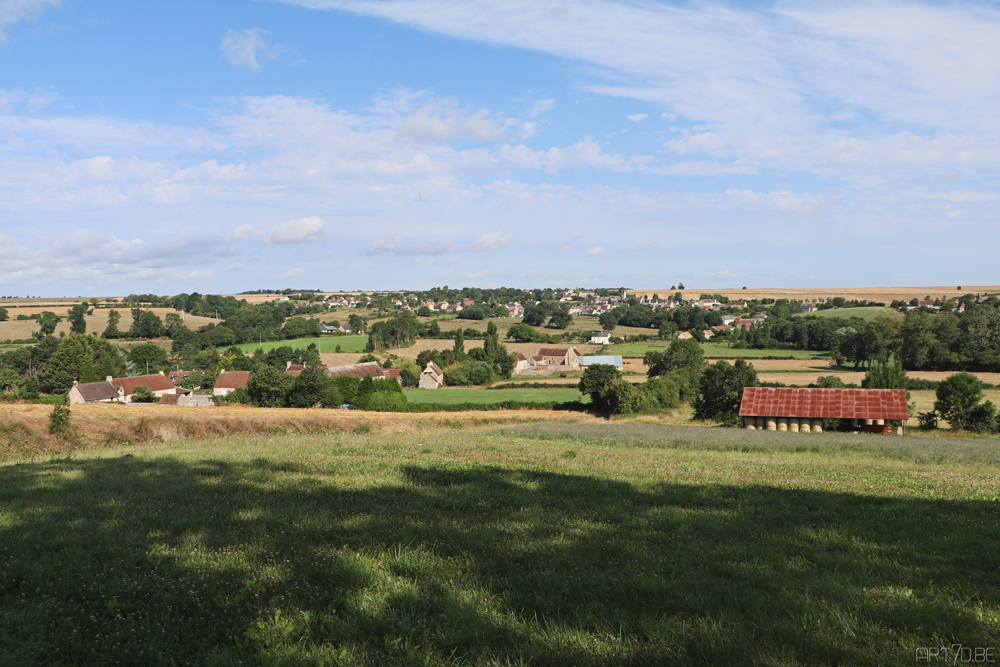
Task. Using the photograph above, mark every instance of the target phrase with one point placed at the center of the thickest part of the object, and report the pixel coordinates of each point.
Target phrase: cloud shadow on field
(216, 561)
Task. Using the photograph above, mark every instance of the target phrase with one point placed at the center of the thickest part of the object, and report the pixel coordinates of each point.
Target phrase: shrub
(982, 418)
(956, 397)
(663, 391)
(828, 382)
(240, 396)
(928, 421)
(142, 394)
(29, 390)
(61, 422)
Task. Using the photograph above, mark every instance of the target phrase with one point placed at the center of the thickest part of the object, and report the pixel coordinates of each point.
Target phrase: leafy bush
(663, 391)
(380, 395)
(29, 390)
(239, 396)
(928, 421)
(142, 394)
(982, 418)
(269, 387)
(61, 422)
(956, 397)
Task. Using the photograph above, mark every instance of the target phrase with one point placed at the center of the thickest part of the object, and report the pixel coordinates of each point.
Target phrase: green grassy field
(455, 395)
(547, 545)
(863, 313)
(713, 350)
(326, 344)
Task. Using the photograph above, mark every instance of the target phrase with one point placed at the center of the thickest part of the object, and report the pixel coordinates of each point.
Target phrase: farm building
(560, 358)
(599, 338)
(803, 410)
(607, 360)
(158, 383)
(229, 380)
(432, 377)
(93, 392)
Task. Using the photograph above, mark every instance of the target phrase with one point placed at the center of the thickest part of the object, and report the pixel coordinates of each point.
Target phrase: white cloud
(291, 273)
(668, 116)
(478, 275)
(393, 244)
(298, 231)
(249, 49)
(565, 248)
(244, 233)
(444, 122)
(540, 107)
(637, 117)
(596, 252)
(492, 241)
(781, 87)
(234, 267)
(15, 11)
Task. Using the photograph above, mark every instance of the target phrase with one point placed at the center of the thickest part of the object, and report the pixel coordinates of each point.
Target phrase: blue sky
(343, 144)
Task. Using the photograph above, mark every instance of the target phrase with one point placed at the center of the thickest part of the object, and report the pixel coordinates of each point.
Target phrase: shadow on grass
(144, 561)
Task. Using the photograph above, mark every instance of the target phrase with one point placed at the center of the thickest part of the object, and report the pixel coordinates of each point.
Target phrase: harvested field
(24, 427)
(96, 323)
(884, 294)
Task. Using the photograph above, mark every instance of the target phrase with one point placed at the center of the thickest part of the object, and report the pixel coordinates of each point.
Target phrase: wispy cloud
(250, 48)
(15, 11)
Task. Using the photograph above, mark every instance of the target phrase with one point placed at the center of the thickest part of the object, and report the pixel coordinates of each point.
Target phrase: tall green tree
(47, 323)
(111, 331)
(459, 344)
(269, 387)
(77, 315)
(721, 391)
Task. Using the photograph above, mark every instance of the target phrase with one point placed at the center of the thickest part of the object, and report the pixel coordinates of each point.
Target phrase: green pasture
(325, 343)
(586, 544)
(456, 395)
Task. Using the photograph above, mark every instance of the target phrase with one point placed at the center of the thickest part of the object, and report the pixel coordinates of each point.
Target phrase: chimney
(75, 383)
(107, 379)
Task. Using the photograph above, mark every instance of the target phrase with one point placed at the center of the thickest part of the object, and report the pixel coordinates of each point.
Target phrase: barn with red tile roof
(803, 410)
(230, 380)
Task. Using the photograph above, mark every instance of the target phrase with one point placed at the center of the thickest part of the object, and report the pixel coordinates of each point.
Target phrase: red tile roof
(553, 351)
(155, 382)
(169, 399)
(831, 403)
(232, 379)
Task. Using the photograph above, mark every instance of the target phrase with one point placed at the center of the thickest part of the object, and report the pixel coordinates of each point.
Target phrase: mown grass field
(352, 344)
(574, 545)
(711, 350)
(456, 395)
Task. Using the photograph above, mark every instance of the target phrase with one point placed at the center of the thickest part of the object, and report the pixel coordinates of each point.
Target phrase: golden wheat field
(883, 294)
(97, 322)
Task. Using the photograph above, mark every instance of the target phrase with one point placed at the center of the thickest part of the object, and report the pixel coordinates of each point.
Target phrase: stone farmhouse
(120, 390)
(432, 377)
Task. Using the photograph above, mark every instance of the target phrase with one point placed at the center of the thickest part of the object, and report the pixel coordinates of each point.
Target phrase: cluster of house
(122, 390)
